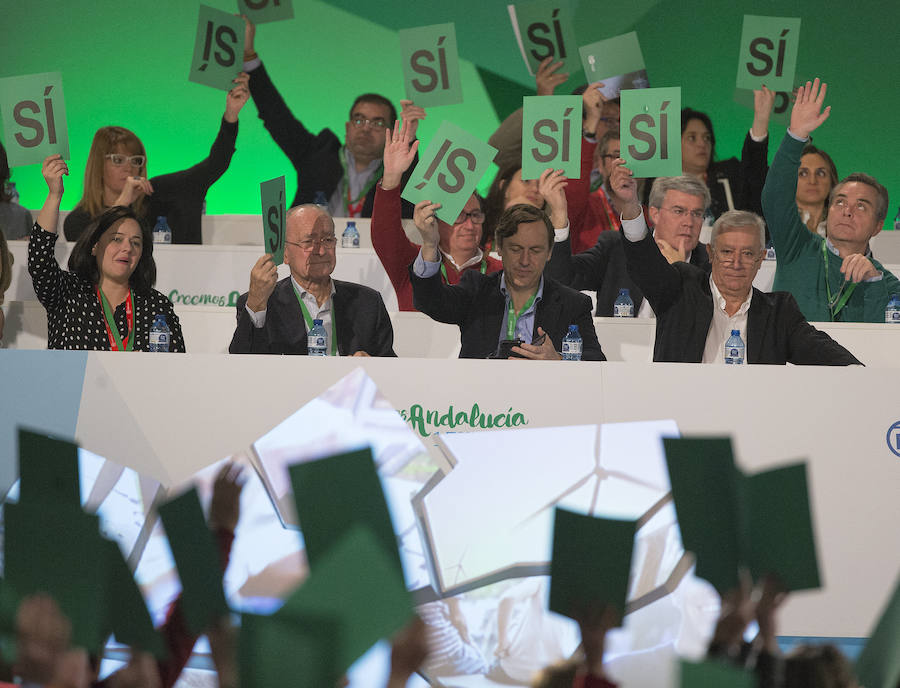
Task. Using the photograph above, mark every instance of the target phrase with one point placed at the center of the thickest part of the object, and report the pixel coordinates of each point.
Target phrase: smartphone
(504, 350)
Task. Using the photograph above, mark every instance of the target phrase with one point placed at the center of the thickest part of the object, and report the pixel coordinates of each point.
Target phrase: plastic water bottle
(160, 335)
(734, 349)
(571, 349)
(317, 340)
(770, 252)
(321, 200)
(350, 237)
(161, 232)
(892, 312)
(624, 306)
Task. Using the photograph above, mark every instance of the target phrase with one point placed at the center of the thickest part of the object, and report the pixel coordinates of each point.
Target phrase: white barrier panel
(168, 416)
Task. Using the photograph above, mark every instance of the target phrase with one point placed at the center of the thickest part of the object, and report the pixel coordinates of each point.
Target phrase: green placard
(198, 562)
(551, 135)
(218, 49)
(779, 531)
(58, 550)
(431, 65)
(274, 215)
(618, 62)
(449, 170)
(48, 470)
(704, 482)
(545, 30)
(129, 619)
(357, 584)
(878, 665)
(651, 131)
(334, 494)
(714, 675)
(768, 52)
(34, 118)
(262, 11)
(591, 563)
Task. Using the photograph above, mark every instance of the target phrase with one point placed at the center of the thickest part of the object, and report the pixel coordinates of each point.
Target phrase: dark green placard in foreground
(449, 170)
(551, 135)
(263, 11)
(218, 49)
(34, 118)
(334, 494)
(357, 584)
(651, 131)
(714, 675)
(198, 562)
(129, 619)
(878, 665)
(591, 563)
(48, 470)
(274, 217)
(431, 65)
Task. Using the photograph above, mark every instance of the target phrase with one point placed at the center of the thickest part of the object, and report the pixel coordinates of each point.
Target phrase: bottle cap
(735, 333)
(317, 322)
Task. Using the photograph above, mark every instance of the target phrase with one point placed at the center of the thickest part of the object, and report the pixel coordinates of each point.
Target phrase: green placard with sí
(198, 563)
(274, 216)
(263, 11)
(218, 49)
(449, 170)
(34, 118)
(431, 65)
(551, 135)
(48, 470)
(768, 54)
(651, 131)
(545, 30)
(878, 665)
(591, 563)
(618, 62)
(714, 675)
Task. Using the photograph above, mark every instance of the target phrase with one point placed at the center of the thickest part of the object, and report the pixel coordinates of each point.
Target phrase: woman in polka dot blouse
(106, 300)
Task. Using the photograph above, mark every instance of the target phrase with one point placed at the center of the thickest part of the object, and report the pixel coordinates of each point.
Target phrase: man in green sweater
(834, 278)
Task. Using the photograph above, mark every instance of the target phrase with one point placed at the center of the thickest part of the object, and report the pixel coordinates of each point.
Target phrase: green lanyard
(512, 316)
(483, 269)
(309, 321)
(112, 330)
(838, 302)
(354, 207)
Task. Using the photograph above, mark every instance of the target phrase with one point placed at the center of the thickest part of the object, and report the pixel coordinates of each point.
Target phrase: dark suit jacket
(682, 300)
(602, 269)
(478, 306)
(362, 323)
(315, 157)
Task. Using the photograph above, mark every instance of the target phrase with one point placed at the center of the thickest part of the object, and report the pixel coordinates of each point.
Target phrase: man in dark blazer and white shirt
(274, 317)
(516, 303)
(677, 206)
(697, 310)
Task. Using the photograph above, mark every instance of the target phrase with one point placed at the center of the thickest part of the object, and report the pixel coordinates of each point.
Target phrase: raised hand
(225, 507)
(410, 115)
(763, 100)
(552, 186)
(807, 114)
(593, 101)
(623, 184)
(398, 154)
(237, 97)
(546, 80)
(427, 224)
(53, 168)
(249, 36)
(263, 278)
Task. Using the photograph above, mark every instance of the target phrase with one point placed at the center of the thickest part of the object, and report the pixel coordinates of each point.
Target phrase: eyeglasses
(118, 159)
(328, 243)
(476, 215)
(732, 255)
(678, 211)
(360, 122)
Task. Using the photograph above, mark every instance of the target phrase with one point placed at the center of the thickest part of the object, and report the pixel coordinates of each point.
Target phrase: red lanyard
(116, 343)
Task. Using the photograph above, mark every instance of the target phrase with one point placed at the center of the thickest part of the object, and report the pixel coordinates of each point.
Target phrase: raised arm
(755, 153)
(52, 169)
(46, 275)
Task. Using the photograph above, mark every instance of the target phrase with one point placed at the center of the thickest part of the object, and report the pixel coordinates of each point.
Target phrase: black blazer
(362, 323)
(478, 306)
(682, 300)
(602, 269)
(315, 157)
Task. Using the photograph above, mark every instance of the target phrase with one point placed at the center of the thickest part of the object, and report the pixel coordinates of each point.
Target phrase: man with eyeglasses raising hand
(273, 317)
(697, 309)
(347, 173)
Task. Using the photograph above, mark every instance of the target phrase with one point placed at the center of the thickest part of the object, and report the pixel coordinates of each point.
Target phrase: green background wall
(126, 63)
